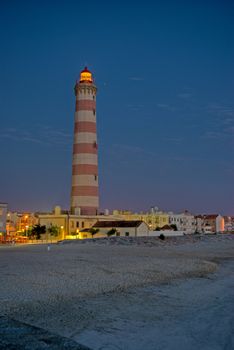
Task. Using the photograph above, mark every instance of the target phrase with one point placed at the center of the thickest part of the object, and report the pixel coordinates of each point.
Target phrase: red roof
(85, 70)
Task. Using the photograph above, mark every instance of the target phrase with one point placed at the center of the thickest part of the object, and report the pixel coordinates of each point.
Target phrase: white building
(184, 222)
(133, 228)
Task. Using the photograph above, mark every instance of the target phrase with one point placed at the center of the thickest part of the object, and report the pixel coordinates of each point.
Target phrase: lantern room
(86, 76)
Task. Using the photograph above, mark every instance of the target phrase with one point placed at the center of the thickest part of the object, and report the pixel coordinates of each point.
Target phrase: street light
(62, 231)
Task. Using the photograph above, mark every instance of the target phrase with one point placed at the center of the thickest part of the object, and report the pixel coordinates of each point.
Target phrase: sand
(87, 290)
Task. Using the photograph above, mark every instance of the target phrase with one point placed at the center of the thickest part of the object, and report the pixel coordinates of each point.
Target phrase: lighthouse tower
(84, 193)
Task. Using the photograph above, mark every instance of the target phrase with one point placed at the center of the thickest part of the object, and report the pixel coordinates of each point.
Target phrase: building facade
(3, 219)
(70, 225)
(84, 192)
(131, 228)
(154, 220)
(184, 222)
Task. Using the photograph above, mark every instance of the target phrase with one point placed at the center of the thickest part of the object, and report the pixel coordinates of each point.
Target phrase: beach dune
(53, 289)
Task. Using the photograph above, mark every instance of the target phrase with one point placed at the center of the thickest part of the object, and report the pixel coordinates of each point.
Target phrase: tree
(93, 231)
(174, 227)
(53, 231)
(111, 232)
(37, 231)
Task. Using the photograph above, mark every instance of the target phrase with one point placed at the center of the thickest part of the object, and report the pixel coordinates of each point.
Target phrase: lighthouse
(84, 192)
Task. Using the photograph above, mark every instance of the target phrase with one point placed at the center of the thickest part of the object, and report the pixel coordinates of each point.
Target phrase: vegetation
(53, 231)
(111, 232)
(93, 231)
(174, 227)
(37, 231)
(162, 237)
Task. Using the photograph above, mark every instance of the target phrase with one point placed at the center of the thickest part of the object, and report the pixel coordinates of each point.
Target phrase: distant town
(23, 227)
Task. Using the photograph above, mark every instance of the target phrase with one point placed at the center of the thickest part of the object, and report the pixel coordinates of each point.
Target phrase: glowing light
(86, 76)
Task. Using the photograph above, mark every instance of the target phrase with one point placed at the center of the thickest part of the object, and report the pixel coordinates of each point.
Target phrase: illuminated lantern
(86, 76)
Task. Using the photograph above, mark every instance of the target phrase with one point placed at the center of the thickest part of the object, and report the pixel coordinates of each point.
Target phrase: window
(95, 177)
(82, 224)
(94, 112)
(126, 234)
(77, 224)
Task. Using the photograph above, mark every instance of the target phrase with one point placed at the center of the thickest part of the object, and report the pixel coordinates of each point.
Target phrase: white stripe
(84, 95)
(84, 201)
(85, 137)
(84, 180)
(85, 116)
(85, 158)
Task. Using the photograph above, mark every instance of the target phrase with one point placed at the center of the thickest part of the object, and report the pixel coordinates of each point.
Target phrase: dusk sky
(165, 109)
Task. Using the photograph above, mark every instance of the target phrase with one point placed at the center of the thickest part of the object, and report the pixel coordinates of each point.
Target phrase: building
(154, 219)
(84, 192)
(133, 228)
(3, 219)
(185, 222)
(12, 223)
(70, 225)
(199, 223)
(229, 223)
(20, 222)
(219, 224)
(209, 223)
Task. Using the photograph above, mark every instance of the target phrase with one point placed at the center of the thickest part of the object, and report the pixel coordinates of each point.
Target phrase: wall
(3, 218)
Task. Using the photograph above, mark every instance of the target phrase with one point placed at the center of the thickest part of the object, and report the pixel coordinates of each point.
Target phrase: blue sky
(165, 111)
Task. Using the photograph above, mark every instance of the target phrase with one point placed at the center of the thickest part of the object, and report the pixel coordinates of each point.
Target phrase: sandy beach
(120, 293)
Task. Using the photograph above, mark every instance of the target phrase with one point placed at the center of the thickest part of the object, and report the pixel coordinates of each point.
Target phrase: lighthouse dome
(86, 76)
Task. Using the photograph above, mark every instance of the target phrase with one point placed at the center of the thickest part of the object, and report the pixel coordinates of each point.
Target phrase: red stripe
(85, 127)
(84, 191)
(85, 105)
(87, 210)
(84, 169)
(84, 148)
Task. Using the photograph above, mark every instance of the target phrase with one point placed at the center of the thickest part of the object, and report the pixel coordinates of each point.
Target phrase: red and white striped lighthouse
(84, 194)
